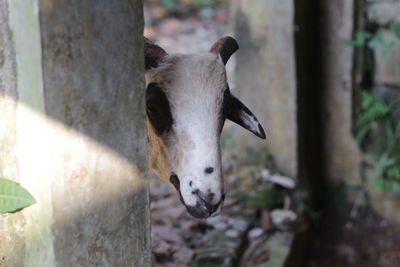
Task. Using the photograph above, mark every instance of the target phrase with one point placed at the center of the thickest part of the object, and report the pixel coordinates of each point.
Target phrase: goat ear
(237, 112)
(225, 47)
(153, 54)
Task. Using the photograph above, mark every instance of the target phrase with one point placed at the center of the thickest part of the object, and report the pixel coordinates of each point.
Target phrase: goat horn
(225, 47)
(153, 54)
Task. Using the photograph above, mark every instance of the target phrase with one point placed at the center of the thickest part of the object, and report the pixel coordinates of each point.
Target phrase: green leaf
(13, 197)
(394, 172)
(360, 39)
(385, 184)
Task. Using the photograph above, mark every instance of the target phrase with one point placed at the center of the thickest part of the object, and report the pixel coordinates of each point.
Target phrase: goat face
(188, 100)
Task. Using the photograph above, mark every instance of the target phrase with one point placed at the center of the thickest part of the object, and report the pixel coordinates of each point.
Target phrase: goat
(187, 102)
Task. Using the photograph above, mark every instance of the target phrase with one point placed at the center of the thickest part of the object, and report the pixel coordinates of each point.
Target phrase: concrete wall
(72, 132)
(265, 75)
(387, 67)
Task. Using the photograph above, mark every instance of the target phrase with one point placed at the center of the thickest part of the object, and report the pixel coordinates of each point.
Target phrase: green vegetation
(13, 197)
(378, 132)
(377, 129)
(376, 39)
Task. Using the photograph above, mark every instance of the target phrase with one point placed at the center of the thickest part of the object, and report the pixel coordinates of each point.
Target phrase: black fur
(158, 109)
(153, 54)
(225, 47)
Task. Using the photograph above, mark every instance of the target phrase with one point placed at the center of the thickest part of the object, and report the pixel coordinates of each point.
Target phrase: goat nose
(203, 208)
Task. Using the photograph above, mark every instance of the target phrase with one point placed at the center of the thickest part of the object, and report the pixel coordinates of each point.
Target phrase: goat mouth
(203, 209)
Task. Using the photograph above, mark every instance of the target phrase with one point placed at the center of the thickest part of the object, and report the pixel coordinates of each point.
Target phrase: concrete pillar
(341, 153)
(265, 75)
(72, 132)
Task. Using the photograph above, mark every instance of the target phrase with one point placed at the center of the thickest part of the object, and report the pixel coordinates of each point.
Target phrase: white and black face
(188, 100)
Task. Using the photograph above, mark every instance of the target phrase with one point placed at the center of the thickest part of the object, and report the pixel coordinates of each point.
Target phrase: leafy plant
(376, 39)
(373, 110)
(377, 120)
(13, 197)
(385, 184)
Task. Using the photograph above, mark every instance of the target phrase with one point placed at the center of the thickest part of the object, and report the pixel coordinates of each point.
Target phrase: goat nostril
(209, 170)
(195, 192)
(210, 197)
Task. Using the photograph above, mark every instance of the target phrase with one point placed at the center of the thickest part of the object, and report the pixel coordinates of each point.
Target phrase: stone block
(383, 12)
(387, 65)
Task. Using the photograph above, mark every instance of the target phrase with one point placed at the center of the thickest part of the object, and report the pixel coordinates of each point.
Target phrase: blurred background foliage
(377, 128)
(378, 133)
(376, 39)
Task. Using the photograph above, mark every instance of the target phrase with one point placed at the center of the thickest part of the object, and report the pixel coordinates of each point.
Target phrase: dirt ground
(370, 242)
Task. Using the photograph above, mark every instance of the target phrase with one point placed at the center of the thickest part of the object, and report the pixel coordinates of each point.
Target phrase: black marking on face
(175, 182)
(209, 170)
(190, 183)
(158, 109)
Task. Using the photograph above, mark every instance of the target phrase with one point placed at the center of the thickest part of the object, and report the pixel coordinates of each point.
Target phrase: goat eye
(149, 111)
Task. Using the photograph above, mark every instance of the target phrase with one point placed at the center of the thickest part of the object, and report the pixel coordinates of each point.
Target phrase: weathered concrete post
(72, 132)
(265, 74)
(341, 154)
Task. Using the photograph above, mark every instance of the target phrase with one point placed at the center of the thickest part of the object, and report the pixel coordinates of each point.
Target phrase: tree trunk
(72, 133)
